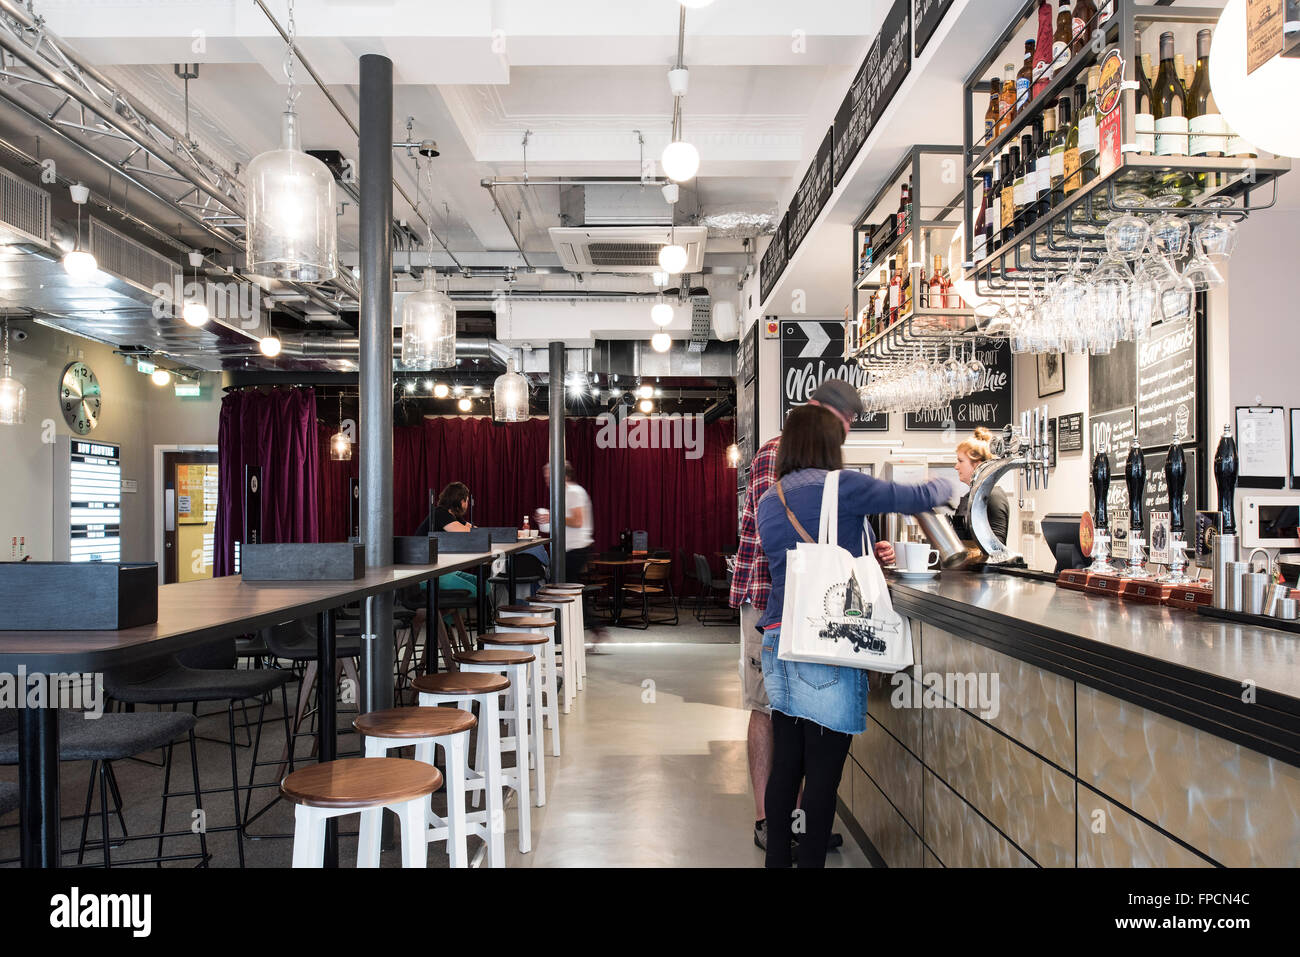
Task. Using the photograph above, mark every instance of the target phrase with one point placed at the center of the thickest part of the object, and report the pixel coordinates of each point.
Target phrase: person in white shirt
(578, 525)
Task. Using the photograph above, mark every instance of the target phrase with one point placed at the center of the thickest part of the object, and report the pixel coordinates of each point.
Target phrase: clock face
(79, 397)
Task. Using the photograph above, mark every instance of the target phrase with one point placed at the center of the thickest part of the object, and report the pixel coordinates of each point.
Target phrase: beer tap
(1225, 548)
(1135, 477)
(1044, 443)
(1176, 480)
(1100, 492)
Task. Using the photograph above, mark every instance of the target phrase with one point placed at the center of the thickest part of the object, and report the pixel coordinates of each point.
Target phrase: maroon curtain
(276, 430)
(333, 494)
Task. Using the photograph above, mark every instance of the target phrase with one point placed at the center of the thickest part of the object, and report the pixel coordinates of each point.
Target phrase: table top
(192, 612)
(617, 562)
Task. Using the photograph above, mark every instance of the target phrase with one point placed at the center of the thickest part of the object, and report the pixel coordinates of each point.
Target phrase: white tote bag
(837, 609)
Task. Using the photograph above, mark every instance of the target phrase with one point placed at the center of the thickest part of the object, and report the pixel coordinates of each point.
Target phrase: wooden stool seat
(562, 586)
(560, 598)
(524, 609)
(507, 638)
(461, 682)
(530, 622)
(361, 782)
(413, 722)
(494, 656)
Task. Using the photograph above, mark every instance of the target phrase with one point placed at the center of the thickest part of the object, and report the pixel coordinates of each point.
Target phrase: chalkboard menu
(882, 72)
(774, 260)
(1166, 384)
(749, 354)
(747, 400)
(812, 353)
(1155, 494)
(989, 407)
(926, 15)
(811, 197)
(1069, 431)
(1112, 379)
(850, 129)
(1115, 431)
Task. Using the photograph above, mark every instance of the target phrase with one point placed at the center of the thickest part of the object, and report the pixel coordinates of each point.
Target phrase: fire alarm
(771, 328)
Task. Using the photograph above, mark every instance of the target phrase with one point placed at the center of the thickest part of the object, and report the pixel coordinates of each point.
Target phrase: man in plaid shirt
(750, 586)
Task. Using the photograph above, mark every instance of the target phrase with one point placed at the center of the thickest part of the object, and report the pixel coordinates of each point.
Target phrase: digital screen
(95, 502)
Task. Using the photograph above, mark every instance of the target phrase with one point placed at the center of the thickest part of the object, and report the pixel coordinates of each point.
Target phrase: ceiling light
(464, 405)
(646, 406)
(645, 391)
(270, 345)
(428, 328)
(679, 81)
(672, 192)
(1248, 101)
(672, 258)
(161, 377)
(659, 277)
(661, 342)
(733, 455)
(680, 161)
(340, 447)
(441, 391)
(477, 390)
(194, 313)
(661, 314)
(13, 394)
(410, 385)
(510, 396)
(80, 264)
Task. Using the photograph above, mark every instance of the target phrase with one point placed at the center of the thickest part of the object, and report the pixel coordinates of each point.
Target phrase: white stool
(463, 688)
(575, 591)
(520, 704)
(368, 785)
(570, 638)
(544, 625)
(424, 728)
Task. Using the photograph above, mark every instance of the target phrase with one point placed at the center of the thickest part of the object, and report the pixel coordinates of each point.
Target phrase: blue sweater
(860, 496)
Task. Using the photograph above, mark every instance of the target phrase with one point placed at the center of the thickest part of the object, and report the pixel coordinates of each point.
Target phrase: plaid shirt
(751, 582)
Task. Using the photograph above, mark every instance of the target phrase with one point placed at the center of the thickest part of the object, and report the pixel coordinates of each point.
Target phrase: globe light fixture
(646, 406)
(661, 342)
(195, 313)
(645, 391)
(1248, 103)
(441, 390)
(510, 396)
(464, 405)
(161, 377)
(672, 258)
(269, 345)
(680, 160)
(661, 314)
(13, 394)
(77, 262)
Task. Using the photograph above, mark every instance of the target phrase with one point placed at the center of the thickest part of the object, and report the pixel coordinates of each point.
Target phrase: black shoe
(760, 835)
(836, 840)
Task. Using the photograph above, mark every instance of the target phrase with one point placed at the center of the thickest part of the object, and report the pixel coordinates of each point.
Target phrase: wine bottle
(994, 224)
(1009, 168)
(1008, 95)
(1022, 186)
(1043, 164)
(1204, 124)
(1084, 11)
(1170, 104)
(935, 294)
(979, 235)
(1062, 37)
(1058, 148)
(905, 268)
(1144, 121)
(991, 114)
(904, 208)
(1089, 140)
(1043, 48)
(895, 291)
(1073, 178)
(1024, 79)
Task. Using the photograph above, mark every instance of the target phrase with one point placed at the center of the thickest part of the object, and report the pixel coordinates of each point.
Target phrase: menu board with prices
(1069, 433)
(95, 502)
(774, 260)
(810, 355)
(989, 407)
(1166, 382)
(926, 15)
(811, 197)
(1114, 432)
(850, 129)
(895, 60)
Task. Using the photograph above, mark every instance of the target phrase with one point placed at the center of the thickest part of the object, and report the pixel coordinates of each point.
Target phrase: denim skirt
(830, 695)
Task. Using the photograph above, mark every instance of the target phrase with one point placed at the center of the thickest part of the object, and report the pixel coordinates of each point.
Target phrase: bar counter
(1107, 733)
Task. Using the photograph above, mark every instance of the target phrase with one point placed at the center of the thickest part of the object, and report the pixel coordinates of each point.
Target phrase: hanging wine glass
(1216, 239)
(1127, 236)
(1202, 273)
(1177, 299)
(1144, 305)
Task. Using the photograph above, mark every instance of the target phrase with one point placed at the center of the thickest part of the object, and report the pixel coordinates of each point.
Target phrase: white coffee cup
(916, 556)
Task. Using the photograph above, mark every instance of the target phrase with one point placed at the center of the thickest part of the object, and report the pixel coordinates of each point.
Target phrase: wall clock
(79, 397)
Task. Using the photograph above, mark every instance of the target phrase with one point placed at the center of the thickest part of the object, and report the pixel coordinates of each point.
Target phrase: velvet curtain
(276, 430)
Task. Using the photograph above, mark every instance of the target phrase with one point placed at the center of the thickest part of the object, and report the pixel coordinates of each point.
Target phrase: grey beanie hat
(839, 395)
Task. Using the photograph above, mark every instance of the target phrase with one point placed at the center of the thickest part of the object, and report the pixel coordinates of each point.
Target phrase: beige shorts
(752, 690)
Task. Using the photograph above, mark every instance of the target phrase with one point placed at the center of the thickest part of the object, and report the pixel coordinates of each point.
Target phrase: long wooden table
(189, 614)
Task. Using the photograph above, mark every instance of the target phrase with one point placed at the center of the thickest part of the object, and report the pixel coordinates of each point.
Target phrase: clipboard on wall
(1261, 446)
(1295, 448)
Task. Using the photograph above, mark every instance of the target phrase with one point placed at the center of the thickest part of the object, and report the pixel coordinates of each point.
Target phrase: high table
(619, 567)
(189, 614)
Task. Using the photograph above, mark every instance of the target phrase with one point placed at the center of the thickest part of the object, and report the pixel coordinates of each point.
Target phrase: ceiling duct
(24, 210)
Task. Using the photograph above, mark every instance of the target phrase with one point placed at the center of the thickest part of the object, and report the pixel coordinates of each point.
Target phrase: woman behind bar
(971, 453)
(816, 708)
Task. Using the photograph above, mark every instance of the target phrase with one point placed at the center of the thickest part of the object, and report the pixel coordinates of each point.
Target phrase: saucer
(917, 576)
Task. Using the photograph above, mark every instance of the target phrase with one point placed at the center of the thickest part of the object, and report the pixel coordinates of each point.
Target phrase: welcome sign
(811, 353)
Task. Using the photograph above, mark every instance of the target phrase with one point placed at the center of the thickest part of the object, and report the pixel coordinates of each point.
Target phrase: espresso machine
(1026, 451)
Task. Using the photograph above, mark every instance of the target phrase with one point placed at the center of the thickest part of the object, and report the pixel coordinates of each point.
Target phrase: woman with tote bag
(816, 708)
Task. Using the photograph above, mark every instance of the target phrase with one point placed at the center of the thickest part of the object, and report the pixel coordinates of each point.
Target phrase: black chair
(655, 586)
(165, 681)
(101, 741)
(709, 589)
(529, 570)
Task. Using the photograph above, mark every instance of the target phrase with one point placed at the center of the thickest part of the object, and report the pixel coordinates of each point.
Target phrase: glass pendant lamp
(510, 396)
(428, 328)
(13, 394)
(340, 444)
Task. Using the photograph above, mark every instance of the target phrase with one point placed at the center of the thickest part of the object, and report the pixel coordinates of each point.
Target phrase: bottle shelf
(923, 325)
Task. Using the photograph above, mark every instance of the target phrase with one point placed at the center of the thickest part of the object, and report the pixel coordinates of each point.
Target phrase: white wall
(135, 414)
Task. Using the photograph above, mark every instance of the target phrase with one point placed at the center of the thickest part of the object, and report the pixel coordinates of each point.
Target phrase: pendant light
(429, 318)
(292, 225)
(13, 394)
(340, 444)
(672, 258)
(661, 342)
(195, 311)
(661, 314)
(510, 396)
(680, 160)
(77, 262)
(269, 344)
(733, 455)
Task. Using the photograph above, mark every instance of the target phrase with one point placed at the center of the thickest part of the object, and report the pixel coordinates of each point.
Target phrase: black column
(556, 423)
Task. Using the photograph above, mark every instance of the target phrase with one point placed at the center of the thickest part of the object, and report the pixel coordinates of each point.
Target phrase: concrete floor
(652, 773)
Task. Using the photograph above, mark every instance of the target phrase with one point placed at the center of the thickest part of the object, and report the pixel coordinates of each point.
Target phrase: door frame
(159, 498)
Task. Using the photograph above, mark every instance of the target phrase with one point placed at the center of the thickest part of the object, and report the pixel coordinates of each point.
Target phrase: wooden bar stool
(448, 728)
(348, 785)
(513, 663)
(570, 636)
(575, 591)
(463, 688)
(545, 625)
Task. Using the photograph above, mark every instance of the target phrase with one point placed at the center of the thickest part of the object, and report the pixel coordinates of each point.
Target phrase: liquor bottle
(1021, 186)
(905, 269)
(1073, 178)
(1025, 78)
(951, 300)
(895, 291)
(979, 234)
(864, 258)
(879, 298)
(994, 224)
(1008, 97)
(1169, 104)
(905, 208)
(1144, 121)
(1042, 49)
(1043, 164)
(1084, 11)
(1009, 166)
(1058, 148)
(1204, 124)
(935, 295)
(1089, 141)
(991, 114)
(1062, 37)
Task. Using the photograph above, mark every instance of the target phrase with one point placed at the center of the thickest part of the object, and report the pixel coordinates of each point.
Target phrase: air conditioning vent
(129, 260)
(24, 208)
(625, 248)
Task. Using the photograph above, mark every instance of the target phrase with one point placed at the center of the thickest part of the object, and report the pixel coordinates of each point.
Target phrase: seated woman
(451, 513)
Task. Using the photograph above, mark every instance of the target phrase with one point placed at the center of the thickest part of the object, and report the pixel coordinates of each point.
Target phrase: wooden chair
(656, 584)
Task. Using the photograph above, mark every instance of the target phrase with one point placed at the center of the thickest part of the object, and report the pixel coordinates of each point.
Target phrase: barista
(971, 454)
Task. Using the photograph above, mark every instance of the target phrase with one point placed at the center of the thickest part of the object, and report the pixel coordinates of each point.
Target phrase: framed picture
(1051, 374)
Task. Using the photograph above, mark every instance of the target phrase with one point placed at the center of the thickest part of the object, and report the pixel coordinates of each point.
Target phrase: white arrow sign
(818, 340)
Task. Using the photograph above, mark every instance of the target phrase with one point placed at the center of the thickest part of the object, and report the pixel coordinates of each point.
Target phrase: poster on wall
(989, 407)
(811, 353)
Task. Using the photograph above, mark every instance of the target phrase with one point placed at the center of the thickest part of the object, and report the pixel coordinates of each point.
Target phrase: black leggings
(804, 752)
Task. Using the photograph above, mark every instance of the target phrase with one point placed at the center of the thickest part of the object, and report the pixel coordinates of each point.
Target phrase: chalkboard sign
(811, 197)
(1112, 379)
(926, 15)
(989, 407)
(851, 124)
(774, 260)
(811, 353)
(749, 354)
(1155, 494)
(894, 60)
(747, 398)
(1069, 433)
(1166, 384)
(1115, 431)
